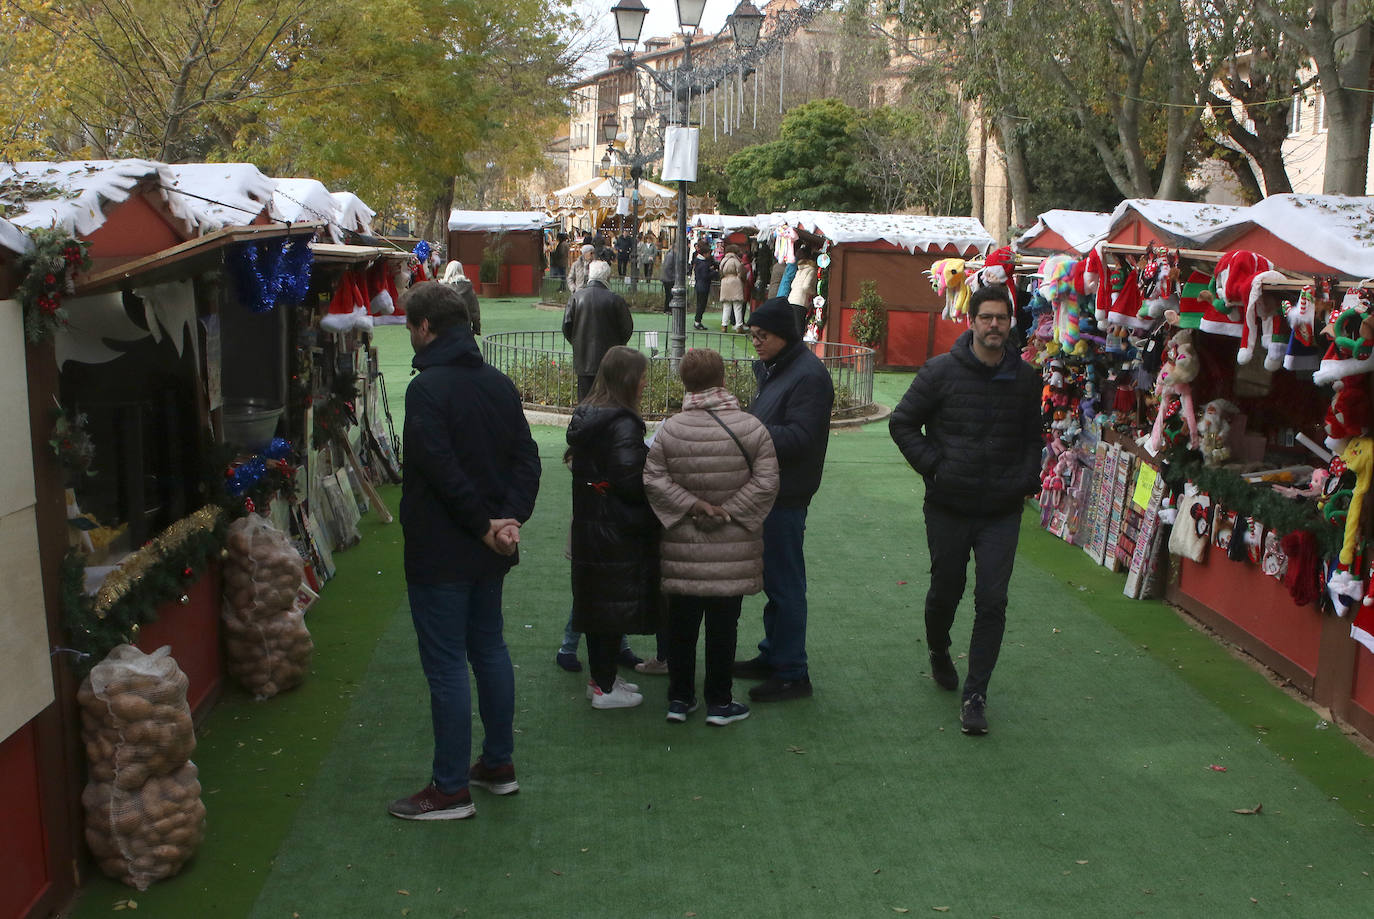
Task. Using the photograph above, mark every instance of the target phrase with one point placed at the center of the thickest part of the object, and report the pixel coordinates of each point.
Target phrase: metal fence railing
(540, 365)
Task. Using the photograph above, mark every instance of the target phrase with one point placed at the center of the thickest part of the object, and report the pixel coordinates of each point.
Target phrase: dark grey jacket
(973, 431)
(794, 401)
(595, 319)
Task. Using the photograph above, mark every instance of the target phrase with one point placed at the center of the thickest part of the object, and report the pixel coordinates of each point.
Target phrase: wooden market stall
(521, 244)
(894, 251)
(1064, 232)
(1141, 221)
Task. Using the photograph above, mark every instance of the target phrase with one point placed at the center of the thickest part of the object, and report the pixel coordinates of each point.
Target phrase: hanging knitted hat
(1258, 329)
(1193, 299)
(379, 299)
(1300, 577)
(1231, 290)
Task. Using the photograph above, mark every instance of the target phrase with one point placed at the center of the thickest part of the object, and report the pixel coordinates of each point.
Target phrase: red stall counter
(192, 630)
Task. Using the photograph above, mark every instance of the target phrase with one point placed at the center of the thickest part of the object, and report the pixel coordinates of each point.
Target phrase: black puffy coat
(794, 401)
(615, 535)
(972, 431)
(469, 459)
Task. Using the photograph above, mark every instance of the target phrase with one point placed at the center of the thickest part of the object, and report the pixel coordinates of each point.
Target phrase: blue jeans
(951, 537)
(457, 625)
(784, 582)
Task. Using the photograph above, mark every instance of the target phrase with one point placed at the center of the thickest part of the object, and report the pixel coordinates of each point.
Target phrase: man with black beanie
(794, 400)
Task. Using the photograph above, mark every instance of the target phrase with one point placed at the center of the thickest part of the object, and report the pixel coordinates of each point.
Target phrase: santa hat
(1231, 288)
(1259, 326)
(348, 307)
(380, 301)
(1344, 326)
(999, 266)
(1125, 309)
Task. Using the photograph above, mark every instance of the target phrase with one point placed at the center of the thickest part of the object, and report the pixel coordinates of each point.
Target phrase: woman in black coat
(614, 531)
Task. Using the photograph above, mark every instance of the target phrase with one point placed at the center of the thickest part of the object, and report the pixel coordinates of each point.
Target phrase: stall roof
(74, 194)
(1187, 223)
(907, 231)
(354, 215)
(296, 200)
(605, 188)
(222, 194)
(13, 239)
(497, 221)
(725, 222)
(1337, 230)
(1080, 229)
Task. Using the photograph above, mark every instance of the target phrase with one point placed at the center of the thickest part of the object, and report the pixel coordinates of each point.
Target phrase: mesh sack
(135, 721)
(268, 646)
(149, 833)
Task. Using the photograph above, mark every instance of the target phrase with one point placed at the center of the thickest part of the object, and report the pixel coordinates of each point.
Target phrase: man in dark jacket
(970, 425)
(471, 475)
(595, 319)
(794, 401)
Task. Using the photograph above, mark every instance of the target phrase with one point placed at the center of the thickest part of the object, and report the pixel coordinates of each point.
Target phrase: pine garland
(1255, 500)
(156, 574)
(48, 270)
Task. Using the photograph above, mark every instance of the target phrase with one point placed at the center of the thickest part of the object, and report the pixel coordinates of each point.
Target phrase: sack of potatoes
(146, 834)
(135, 721)
(267, 644)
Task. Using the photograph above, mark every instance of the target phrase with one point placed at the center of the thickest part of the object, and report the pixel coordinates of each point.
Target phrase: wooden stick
(371, 492)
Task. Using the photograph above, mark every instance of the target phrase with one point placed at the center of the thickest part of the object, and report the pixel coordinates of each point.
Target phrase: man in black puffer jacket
(471, 475)
(970, 425)
(794, 401)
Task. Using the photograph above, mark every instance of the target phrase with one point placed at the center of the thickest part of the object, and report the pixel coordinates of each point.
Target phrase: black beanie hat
(776, 315)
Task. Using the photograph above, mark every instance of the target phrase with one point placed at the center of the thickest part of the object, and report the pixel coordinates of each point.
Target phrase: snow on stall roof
(74, 194)
(1080, 229)
(497, 221)
(13, 238)
(354, 215)
(1190, 222)
(305, 201)
(724, 223)
(908, 231)
(1337, 230)
(237, 192)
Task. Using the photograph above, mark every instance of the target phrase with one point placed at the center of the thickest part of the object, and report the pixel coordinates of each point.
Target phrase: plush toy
(1349, 413)
(1056, 286)
(1157, 275)
(948, 276)
(1214, 428)
(1175, 380)
(1358, 457)
(1351, 330)
(998, 267)
(1235, 294)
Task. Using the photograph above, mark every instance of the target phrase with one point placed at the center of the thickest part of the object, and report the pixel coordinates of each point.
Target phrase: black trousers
(584, 384)
(703, 294)
(667, 295)
(992, 542)
(602, 648)
(685, 614)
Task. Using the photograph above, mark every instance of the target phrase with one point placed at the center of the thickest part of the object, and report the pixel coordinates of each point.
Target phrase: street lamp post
(637, 121)
(745, 24)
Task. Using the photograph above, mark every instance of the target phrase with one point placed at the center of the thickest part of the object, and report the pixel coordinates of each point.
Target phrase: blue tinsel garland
(267, 273)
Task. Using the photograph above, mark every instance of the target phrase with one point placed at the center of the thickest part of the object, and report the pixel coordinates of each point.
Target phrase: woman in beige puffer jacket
(711, 491)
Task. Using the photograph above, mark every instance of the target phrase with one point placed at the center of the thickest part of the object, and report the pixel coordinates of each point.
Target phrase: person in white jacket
(711, 478)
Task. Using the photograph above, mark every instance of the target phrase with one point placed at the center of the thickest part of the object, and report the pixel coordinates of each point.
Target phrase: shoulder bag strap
(748, 461)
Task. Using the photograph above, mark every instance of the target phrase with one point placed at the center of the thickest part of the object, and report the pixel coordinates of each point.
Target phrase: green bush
(869, 325)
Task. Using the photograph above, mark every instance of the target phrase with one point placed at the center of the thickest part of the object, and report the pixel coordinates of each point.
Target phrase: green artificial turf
(1094, 795)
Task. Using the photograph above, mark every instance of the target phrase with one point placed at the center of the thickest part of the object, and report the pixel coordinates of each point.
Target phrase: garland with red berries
(48, 270)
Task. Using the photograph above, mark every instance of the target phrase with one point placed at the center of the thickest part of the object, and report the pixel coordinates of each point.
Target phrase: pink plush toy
(1175, 379)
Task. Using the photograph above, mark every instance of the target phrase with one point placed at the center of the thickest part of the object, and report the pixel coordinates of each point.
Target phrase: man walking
(970, 425)
(595, 319)
(470, 478)
(579, 272)
(794, 400)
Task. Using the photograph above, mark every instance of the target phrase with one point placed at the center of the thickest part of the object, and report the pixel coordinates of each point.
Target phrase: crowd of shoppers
(670, 532)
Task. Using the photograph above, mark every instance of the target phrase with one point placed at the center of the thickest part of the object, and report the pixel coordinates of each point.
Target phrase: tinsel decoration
(270, 272)
(131, 594)
(48, 270)
(252, 483)
(422, 251)
(1255, 500)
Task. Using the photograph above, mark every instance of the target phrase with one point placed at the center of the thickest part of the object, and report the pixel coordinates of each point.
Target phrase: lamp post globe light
(745, 24)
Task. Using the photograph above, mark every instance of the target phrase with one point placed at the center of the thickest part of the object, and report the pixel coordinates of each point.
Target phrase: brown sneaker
(432, 804)
(652, 665)
(499, 780)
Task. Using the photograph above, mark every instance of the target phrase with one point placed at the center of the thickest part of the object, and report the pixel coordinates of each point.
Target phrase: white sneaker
(593, 689)
(620, 696)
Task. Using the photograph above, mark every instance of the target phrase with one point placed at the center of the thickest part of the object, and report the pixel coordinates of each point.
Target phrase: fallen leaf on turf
(795, 749)
(876, 870)
(556, 871)
(404, 893)
(1215, 768)
(1253, 900)
(689, 914)
(901, 583)
(133, 904)
(1248, 810)
(406, 911)
(940, 909)
(1081, 861)
(900, 909)
(584, 850)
